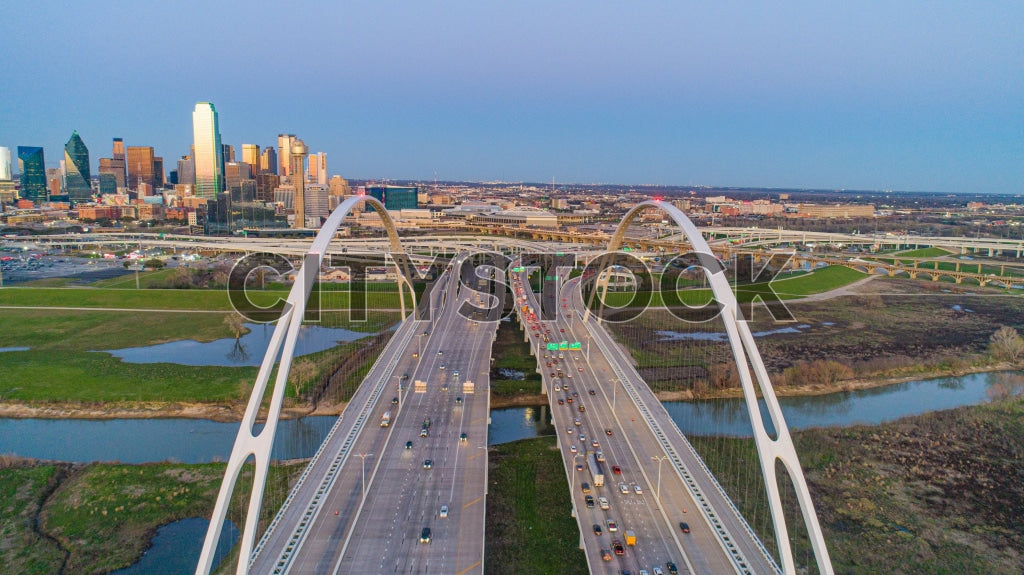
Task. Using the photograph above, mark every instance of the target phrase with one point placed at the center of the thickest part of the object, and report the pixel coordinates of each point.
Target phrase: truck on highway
(595, 469)
(385, 420)
(630, 537)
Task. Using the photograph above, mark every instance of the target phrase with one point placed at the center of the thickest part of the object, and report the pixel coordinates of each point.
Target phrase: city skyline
(915, 97)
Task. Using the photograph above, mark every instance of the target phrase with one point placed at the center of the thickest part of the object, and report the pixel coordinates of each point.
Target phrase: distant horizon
(94, 167)
(792, 95)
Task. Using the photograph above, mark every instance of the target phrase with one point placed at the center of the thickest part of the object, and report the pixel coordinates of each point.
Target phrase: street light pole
(363, 457)
(660, 460)
(572, 485)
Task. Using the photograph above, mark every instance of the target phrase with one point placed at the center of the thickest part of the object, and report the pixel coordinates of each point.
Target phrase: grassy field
(22, 550)
(924, 253)
(938, 493)
(819, 281)
(63, 363)
(511, 352)
(529, 529)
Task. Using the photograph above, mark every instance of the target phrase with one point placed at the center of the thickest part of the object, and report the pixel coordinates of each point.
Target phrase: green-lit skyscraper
(209, 154)
(76, 170)
(32, 168)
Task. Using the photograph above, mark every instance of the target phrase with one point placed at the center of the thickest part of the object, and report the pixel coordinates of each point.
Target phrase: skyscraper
(297, 156)
(32, 168)
(284, 147)
(187, 172)
(318, 168)
(5, 164)
(251, 156)
(140, 166)
(209, 153)
(158, 172)
(76, 170)
(115, 165)
(268, 160)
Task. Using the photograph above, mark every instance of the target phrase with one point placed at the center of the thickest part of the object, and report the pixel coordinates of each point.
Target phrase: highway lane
(746, 551)
(631, 446)
(407, 496)
(322, 518)
(656, 543)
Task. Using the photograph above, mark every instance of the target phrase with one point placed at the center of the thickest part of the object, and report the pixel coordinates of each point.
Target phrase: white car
(603, 502)
(572, 448)
(639, 490)
(623, 488)
(444, 511)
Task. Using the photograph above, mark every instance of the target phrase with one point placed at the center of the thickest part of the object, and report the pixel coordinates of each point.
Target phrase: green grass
(41, 376)
(22, 550)
(147, 279)
(513, 388)
(820, 281)
(925, 253)
(529, 529)
(117, 298)
(106, 514)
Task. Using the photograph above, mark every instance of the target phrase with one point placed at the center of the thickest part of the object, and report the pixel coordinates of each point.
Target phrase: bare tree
(302, 371)
(235, 324)
(1006, 344)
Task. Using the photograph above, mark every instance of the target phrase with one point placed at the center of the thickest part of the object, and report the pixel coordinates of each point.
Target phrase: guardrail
(294, 542)
(725, 537)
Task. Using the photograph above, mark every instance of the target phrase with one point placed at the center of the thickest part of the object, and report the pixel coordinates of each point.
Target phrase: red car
(616, 470)
(619, 549)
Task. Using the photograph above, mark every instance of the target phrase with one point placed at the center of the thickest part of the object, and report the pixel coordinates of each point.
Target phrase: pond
(248, 350)
(176, 547)
(146, 440)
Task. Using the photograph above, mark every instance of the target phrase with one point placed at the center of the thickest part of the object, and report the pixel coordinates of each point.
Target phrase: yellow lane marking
(466, 570)
(477, 500)
(475, 455)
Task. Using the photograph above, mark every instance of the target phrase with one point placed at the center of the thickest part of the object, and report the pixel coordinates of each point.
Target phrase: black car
(672, 568)
(685, 528)
(590, 501)
(408, 445)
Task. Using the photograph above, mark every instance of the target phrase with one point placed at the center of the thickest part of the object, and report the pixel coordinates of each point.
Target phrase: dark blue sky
(875, 95)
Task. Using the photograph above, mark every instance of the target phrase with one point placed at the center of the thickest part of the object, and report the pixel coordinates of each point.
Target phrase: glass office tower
(209, 153)
(76, 170)
(32, 168)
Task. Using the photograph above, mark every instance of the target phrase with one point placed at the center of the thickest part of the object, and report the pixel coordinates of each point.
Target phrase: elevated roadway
(635, 434)
(363, 502)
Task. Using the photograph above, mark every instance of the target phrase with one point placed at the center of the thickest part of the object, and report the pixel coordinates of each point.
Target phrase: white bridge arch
(745, 353)
(283, 340)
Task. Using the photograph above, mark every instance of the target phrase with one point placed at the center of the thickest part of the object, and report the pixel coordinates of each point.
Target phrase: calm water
(515, 423)
(197, 441)
(247, 351)
(144, 440)
(176, 548)
(869, 406)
